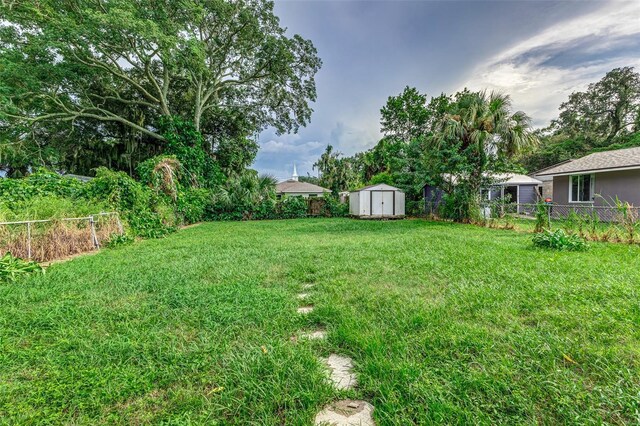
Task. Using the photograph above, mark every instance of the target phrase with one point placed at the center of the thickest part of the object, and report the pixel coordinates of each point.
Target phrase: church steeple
(294, 176)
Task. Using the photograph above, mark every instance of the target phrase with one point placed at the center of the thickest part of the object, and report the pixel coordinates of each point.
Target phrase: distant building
(597, 179)
(519, 189)
(292, 188)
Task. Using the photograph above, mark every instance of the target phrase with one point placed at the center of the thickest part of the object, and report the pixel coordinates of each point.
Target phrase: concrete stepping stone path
(308, 286)
(340, 371)
(303, 295)
(346, 413)
(303, 310)
(314, 335)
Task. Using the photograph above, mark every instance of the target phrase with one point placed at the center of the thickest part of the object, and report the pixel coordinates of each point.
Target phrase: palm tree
(484, 128)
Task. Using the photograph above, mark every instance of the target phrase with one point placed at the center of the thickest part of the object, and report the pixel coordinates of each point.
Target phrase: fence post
(94, 237)
(29, 240)
(120, 228)
(549, 215)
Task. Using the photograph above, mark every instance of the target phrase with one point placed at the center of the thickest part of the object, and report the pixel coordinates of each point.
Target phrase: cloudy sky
(536, 51)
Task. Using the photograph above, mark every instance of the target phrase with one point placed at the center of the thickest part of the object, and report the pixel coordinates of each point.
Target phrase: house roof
(515, 179)
(378, 186)
(293, 186)
(502, 179)
(619, 159)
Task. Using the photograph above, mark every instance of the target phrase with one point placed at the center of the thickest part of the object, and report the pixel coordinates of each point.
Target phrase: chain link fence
(48, 239)
(560, 212)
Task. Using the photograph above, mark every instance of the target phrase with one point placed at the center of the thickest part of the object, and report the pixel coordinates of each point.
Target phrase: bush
(41, 183)
(119, 190)
(292, 207)
(332, 207)
(559, 240)
(116, 240)
(13, 268)
(192, 204)
(147, 214)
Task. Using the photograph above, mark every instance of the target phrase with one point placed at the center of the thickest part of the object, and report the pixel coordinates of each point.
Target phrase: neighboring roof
(378, 187)
(502, 179)
(293, 186)
(619, 159)
(539, 172)
(515, 179)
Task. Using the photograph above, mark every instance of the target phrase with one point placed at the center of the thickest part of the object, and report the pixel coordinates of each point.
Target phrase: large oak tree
(124, 64)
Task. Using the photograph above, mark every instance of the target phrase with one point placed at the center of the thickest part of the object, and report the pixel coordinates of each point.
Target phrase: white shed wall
(354, 203)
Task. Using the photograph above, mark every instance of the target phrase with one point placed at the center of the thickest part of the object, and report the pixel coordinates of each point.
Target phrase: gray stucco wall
(624, 184)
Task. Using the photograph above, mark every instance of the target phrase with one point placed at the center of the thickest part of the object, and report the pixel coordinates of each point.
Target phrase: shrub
(559, 240)
(192, 204)
(13, 268)
(293, 207)
(542, 217)
(332, 207)
(119, 190)
(116, 240)
(41, 183)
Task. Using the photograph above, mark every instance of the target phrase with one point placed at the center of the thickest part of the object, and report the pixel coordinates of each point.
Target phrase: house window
(581, 188)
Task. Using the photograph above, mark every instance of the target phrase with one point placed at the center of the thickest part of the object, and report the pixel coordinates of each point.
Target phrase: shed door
(382, 203)
(387, 203)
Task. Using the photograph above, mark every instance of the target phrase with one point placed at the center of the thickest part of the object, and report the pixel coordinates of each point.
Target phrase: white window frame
(592, 187)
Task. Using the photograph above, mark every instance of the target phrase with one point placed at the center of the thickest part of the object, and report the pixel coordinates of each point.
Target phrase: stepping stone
(303, 295)
(346, 413)
(305, 309)
(340, 371)
(314, 335)
(308, 286)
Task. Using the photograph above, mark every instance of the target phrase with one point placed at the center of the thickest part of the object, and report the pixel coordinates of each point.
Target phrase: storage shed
(376, 202)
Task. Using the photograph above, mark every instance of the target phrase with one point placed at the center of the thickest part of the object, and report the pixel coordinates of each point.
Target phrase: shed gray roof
(293, 186)
(619, 159)
(378, 186)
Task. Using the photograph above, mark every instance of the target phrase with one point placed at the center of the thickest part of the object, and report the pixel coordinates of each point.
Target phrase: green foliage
(117, 240)
(192, 204)
(43, 182)
(292, 207)
(67, 98)
(460, 205)
(384, 177)
(12, 268)
(136, 202)
(336, 173)
(188, 146)
(119, 190)
(332, 207)
(542, 217)
(405, 117)
(559, 240)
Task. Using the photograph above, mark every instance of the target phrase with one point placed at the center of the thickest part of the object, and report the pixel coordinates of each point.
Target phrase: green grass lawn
(445, 323)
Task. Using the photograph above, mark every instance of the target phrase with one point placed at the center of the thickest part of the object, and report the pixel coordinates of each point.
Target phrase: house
(547, 181)
(519, 189)
(292, 187)
(597, 179)
(376, 202)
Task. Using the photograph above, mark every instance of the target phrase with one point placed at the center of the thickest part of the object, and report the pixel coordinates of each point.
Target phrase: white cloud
(280, 146)
(533, 72)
